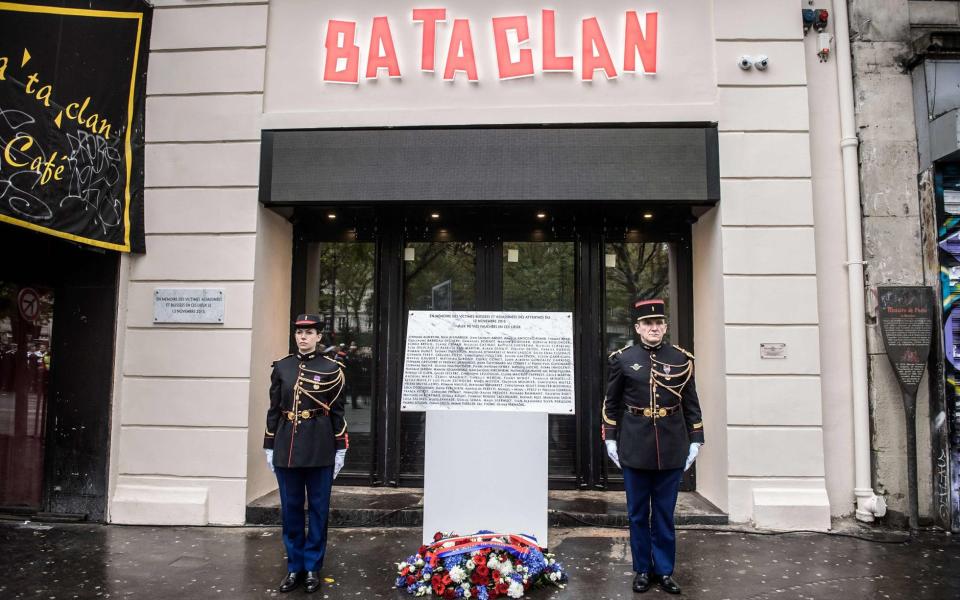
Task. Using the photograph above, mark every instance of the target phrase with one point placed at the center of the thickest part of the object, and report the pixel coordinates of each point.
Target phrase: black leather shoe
(312, 582)
(641, 582)
(289, 583)
(668, 585)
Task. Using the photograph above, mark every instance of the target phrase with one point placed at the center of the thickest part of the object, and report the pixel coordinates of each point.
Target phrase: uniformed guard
(653, 432)
(306, 445)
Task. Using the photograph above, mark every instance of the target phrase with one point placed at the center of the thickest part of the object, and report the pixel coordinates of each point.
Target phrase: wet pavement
(39, 560)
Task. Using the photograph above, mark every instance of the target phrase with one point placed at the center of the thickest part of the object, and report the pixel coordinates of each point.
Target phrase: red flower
(411, 579)
(435, 580)
(438, 589)
(405, 571)
(449, 594)
(446, 579)
(437, 536)
(422, 551)
(483, 570)
(496, 576)
(479, 579)
(479, 560)
(502, 587)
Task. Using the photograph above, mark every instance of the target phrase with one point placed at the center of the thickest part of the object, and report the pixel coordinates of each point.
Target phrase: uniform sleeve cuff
(696, 437)
(343, 442)
(268, 443)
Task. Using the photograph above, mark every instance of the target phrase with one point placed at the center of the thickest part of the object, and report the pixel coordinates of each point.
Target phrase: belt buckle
(662, 412)
(305, 414)
(647, 412)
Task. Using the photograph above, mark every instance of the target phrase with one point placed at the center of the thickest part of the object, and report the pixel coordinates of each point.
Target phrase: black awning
(677, 164)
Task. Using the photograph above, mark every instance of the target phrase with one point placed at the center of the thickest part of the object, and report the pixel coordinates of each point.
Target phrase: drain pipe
(869, 504)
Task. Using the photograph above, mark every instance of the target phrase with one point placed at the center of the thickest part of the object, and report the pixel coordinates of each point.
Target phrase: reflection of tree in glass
(541, 279)
(434, 263)
(642, 273)
(346, 289)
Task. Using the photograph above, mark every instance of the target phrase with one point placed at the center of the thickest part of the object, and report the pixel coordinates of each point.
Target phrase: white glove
(269, 453)
(692, 456)
(612, 452)
(338, 461)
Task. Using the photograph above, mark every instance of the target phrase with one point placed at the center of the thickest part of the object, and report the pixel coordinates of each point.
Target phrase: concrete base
(791, 509)
(156, 505)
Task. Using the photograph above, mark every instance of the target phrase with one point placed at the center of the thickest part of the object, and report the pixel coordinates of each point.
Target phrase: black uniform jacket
(651, 407)
(305, 424)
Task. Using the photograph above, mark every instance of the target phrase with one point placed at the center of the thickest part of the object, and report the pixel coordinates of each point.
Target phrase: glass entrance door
(26, 322)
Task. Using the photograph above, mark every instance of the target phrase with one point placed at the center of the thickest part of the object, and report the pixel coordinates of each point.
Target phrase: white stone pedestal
(485, 470)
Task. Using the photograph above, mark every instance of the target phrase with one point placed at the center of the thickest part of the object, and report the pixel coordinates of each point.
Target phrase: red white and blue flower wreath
(483, 566)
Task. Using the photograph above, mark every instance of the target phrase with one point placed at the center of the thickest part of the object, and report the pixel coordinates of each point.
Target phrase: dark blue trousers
(653, 541)
(305, 552)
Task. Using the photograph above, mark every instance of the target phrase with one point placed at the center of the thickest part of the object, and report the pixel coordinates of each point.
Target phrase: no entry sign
(28, 301)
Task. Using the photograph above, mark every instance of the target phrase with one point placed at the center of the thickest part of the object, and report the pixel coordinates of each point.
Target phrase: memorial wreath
(483, 565)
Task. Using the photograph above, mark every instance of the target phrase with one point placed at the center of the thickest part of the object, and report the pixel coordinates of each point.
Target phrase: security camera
(745, 62)
(761, 62)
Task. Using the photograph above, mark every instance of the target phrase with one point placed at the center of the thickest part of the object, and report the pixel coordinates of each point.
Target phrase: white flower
(419, 562)
(515, 590)
(466, 592)
(426, 576)
(401, 566)
(554, 576)
(471, 565)
(506, 568)
(424, 590)
(457, 574)
(493, 563)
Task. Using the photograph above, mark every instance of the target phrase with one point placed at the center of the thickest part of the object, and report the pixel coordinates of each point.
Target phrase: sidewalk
(185, 563)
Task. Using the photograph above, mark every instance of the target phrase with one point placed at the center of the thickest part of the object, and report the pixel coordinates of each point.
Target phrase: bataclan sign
(506, 36)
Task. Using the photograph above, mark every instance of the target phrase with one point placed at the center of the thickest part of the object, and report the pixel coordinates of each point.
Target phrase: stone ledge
(791, 509)
(159, 505)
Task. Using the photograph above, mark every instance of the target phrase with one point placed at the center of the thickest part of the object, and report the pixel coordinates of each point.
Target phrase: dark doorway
(57, 372)
(581, 259)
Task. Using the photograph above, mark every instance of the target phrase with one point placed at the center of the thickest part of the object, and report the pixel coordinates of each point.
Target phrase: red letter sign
(509, 69)
(428, 48)
(382, 53)
(340, 46)
(552, 62)
(593, 37)
(460, 54)
(636, 41)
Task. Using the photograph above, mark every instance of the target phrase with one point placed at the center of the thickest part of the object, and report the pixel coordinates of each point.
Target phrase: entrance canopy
(675, 164)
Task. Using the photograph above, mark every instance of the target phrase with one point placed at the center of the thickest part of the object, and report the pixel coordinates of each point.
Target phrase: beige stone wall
(183, 391)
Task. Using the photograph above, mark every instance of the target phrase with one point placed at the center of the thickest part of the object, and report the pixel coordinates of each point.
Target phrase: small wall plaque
(777, 350)
(188, 305)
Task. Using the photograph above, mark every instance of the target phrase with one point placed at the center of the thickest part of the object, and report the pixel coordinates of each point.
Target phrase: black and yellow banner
(72, 85)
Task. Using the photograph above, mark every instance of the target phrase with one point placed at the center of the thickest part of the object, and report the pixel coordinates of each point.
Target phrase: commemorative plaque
(906, 324)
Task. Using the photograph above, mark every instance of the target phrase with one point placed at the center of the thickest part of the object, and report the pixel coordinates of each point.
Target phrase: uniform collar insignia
(310, 356)
(635, 367)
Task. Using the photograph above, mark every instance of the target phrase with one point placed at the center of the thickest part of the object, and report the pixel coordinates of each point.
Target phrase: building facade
(362, 160)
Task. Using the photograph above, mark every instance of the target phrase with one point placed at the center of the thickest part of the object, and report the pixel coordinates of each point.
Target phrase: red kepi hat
(307, 321)
(650, 309)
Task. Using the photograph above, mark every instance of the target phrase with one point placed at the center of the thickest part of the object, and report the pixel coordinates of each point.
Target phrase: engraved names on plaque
(508, 361)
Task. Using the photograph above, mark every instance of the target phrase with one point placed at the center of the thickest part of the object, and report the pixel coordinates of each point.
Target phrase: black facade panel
(615, 163)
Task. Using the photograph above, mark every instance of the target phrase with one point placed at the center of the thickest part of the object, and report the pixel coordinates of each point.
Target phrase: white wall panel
(209, 27)
(205, 72)
(757, 19)
(766, 202)
(202, 165)
(237, 304)
(187, 353)
(195, 257)
(773, 400)
(763, 109)
(786, 300)
(191, 452)
(743, 350)
(225, 497)
(777, 451)
(221, 117)
(201, 210)
(769, 251)
(764, 155)
(787, 64)
(185, 402)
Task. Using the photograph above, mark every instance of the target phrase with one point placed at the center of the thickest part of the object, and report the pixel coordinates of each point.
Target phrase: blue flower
(482, 593)
(451, 562)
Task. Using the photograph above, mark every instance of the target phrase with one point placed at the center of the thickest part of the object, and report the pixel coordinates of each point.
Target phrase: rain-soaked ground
(185, 563)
